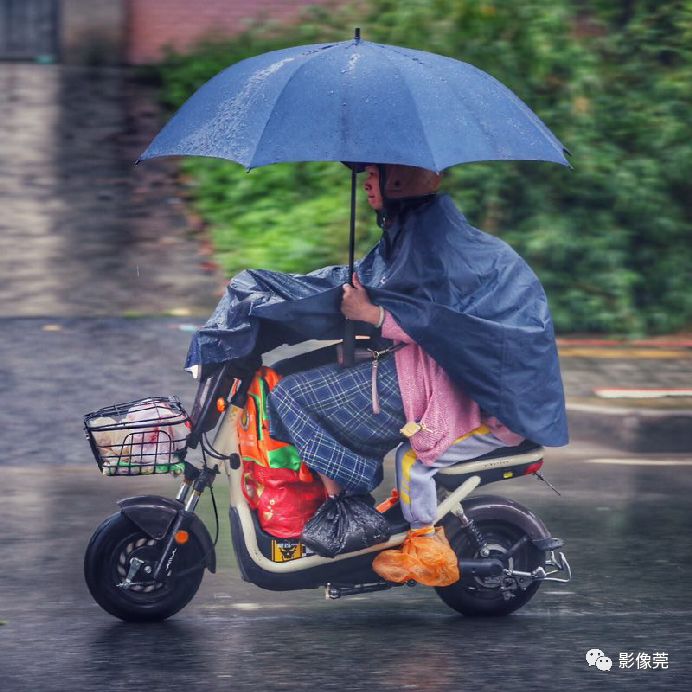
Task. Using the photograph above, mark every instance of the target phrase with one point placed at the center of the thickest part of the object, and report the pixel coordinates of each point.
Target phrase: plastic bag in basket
(139, 448)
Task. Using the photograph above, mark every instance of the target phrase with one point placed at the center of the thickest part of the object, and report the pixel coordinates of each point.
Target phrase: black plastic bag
(343, 524)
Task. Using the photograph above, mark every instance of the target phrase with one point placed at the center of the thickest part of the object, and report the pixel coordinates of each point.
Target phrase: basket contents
(139, 437)
(275, 482)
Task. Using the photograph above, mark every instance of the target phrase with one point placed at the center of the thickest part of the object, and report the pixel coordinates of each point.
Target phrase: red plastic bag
(283, 500)
(277, 485)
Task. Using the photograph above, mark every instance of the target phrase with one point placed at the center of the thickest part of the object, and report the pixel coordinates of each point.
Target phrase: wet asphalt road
(626, 529)
(627, 536)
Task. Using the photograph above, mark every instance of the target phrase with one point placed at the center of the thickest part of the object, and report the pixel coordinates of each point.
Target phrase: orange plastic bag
(425, 559)
(275, 482)
(254, 440)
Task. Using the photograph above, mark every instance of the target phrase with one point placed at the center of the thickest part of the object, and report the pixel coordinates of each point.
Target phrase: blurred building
(124, 31)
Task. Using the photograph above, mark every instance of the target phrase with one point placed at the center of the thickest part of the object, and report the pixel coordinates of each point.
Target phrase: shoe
(425, 557)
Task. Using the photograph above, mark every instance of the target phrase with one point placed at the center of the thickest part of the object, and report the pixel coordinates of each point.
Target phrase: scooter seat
(500, 464)
(526, 447)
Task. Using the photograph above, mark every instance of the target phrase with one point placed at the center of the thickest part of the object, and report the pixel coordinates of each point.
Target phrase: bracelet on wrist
(380, 321)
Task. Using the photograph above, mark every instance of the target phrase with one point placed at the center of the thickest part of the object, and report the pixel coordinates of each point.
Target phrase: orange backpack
(276, 483)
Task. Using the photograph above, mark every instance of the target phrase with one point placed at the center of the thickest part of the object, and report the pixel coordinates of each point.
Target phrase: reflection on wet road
(626, 529)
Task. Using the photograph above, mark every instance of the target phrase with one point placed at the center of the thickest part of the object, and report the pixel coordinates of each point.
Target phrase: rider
(483, 348)
(328, 412)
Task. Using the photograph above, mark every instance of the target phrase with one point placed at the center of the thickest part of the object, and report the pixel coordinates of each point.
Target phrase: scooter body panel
(355, 570)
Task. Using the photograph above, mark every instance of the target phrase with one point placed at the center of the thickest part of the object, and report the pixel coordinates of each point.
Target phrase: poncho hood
(466, 297)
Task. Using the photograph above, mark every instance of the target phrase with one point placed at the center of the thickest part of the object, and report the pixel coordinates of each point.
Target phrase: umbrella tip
(356, 34)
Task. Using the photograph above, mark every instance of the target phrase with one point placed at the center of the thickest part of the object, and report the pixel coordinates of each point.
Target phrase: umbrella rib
(523, 108)
(415, 105)
(535, 121)
(278, 96)
(456, 98)
(542, 128)
(474, 116)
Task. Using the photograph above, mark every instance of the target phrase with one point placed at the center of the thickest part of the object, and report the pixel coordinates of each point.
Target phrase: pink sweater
(430, 398)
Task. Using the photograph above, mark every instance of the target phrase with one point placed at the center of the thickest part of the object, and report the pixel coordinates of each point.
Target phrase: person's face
(372, 187)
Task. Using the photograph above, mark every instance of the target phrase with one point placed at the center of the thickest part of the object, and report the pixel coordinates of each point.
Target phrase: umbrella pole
(352, 237)
(350, 327)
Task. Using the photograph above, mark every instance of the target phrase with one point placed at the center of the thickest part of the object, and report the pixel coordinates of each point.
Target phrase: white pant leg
(416, 485)
(416, 481)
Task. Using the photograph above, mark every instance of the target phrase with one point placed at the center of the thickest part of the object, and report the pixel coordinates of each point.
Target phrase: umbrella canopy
(356, 101)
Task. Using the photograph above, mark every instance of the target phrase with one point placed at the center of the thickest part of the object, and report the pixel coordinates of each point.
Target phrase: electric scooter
(146, 561)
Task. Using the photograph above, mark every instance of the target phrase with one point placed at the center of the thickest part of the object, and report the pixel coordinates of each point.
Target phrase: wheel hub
(495, 550)
(142, 549)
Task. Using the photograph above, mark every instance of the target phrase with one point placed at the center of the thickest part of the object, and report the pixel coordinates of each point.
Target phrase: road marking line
(624, 354)
(246, 606)
(558, 593)
(642, 462)
(629, 343)
(622, 393)
(605, 410)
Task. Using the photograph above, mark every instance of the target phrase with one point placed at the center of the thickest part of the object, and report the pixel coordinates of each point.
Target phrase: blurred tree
(611, 240)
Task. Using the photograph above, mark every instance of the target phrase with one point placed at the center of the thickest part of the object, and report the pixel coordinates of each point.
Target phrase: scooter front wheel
(108, 561)
(488, 596)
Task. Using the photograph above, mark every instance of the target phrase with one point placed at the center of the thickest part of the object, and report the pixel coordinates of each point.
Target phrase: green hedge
(611, 240)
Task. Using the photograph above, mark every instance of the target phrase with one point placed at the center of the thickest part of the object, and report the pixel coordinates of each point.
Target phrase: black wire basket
(139, 437)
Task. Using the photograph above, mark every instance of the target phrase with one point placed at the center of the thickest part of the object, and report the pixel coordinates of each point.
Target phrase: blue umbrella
(356, 101)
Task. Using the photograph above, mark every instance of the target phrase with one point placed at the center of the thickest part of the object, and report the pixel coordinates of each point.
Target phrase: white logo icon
(592, 655)
(595, 657)
(603, 663)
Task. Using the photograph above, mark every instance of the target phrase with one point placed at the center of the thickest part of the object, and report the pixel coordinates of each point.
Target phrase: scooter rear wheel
(106, 563)
(484, 597)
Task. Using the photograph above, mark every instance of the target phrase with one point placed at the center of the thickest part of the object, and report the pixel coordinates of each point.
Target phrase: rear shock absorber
(469, 525)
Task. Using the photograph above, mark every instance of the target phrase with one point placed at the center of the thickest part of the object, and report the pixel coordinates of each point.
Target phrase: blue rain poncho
(466, 297)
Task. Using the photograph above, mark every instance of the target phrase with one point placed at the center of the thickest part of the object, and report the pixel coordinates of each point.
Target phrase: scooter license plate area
(288, 549)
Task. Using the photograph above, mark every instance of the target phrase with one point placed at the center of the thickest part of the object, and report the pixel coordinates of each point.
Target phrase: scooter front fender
(154, 515)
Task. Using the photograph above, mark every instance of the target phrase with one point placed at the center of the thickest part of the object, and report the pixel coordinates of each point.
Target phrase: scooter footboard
(352, 570)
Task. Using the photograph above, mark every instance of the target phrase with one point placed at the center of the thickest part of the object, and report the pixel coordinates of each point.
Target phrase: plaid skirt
(326, 413)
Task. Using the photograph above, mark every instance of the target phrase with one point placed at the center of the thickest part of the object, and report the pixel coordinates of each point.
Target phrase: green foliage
(611, 240)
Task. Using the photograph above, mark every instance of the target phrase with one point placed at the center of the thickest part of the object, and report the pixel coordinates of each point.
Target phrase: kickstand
(540, 476)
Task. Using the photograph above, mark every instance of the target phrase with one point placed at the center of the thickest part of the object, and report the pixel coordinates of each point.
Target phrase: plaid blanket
(327, 414)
